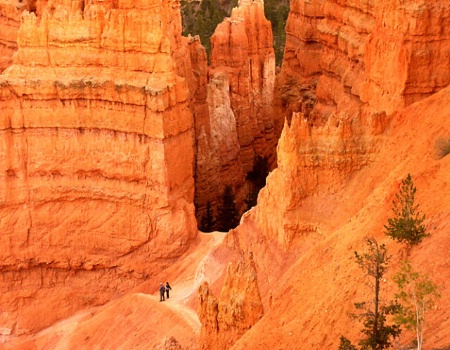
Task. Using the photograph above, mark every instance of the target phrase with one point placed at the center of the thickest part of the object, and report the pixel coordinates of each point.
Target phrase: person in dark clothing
(168, 287)
(162, 289)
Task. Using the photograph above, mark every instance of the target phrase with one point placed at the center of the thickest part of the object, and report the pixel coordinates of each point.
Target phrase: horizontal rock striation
(364, 57)
(240, 100)
(242, 47)
(9, 24)
(97, 159)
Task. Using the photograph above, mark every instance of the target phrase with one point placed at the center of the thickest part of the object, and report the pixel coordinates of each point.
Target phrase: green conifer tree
(227, 213)
(208, 222)
(407, 224)
(373, 315)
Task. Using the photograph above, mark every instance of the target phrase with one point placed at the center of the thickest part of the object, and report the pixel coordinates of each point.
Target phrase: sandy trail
(139, 317)
(203, 266)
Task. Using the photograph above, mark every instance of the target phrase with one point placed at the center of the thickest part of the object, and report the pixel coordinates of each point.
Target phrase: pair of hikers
(164, 289)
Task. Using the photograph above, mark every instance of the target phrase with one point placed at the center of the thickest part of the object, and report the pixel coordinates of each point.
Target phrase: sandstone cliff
(240, 94)
(97, 158)
(242, 47)
(372, 58)
(340, 160)
(227, 318)
(9, 23)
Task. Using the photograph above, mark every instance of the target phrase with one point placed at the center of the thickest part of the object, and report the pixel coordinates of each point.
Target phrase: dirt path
(130, 322)
(203, 266)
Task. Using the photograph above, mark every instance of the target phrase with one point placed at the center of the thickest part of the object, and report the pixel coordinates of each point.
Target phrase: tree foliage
(277, 13)
(208, 222)
(373, 315)
(345, 344)
(417, 294)
(407, 224)
(227, 213)
(257, 179)
(202, 17)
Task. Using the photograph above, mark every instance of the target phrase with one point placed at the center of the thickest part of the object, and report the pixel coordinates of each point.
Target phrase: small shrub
(442, 146)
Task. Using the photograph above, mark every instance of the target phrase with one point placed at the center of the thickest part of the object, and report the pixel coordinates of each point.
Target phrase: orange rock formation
(97, 157)
(119, 195)
(240, 94)
(374, 57)
(9, 23)
(242, 47)
(227, 318)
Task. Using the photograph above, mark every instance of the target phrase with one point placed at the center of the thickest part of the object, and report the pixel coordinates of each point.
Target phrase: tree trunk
(377, 296)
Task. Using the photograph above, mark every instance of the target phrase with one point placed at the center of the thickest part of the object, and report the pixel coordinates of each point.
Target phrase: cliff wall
(365, 120)
(97, 157)
(242, 47)
(9, 22)
(372, 58)
(240, 99)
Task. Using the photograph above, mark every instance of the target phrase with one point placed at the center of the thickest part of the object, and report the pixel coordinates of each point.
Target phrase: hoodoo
(240, 101)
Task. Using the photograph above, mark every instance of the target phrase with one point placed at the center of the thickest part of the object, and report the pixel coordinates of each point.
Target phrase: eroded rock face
(218, 161)
(301, 66)
(407, 54)
(9, 25)
(239, 307)
(311, 161)
(364, 57)
(97, 157)
(240, 95)
(242, 48)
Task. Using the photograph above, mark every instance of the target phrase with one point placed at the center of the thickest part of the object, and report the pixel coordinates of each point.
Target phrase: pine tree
(407, 225)
(227, 213)
(257, 180)
(207, 223)
(373, 315)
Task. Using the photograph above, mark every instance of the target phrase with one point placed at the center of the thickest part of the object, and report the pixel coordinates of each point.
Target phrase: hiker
(168, 287)
(162, 289)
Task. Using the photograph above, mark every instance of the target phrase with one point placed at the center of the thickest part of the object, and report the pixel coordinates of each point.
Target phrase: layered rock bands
(97, 156)
(239, 99)
(349, 65)
(365, 57)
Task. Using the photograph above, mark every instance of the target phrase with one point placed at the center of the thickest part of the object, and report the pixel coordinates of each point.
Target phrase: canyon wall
(242, 47)
(364, 57)
(9, 23)
(363, 80)
(97, 157)
(240, 94)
